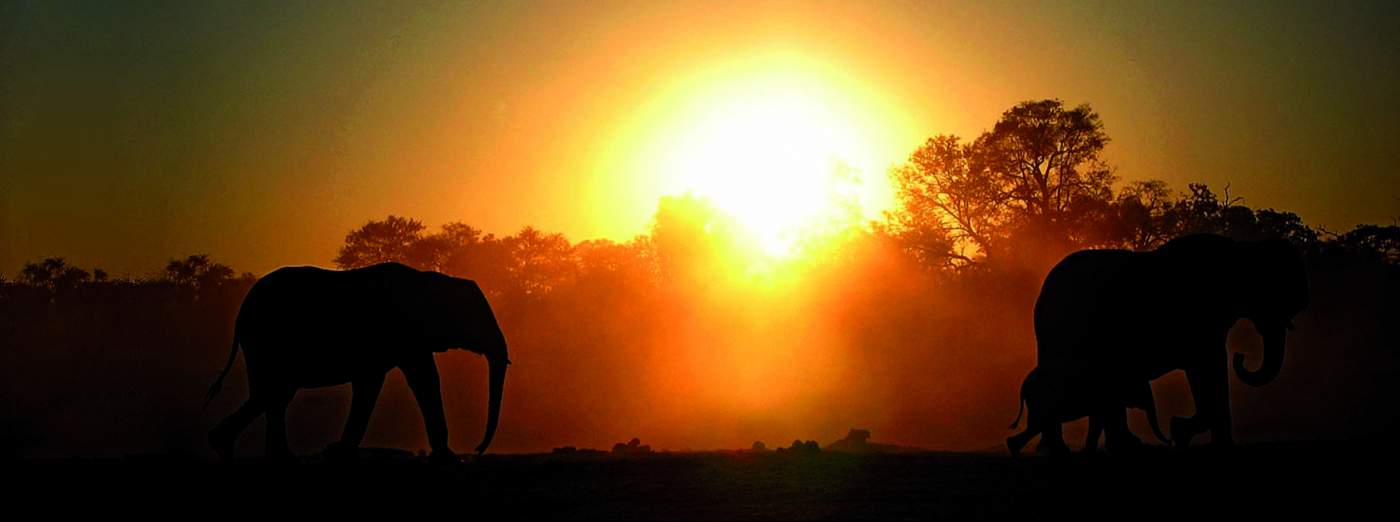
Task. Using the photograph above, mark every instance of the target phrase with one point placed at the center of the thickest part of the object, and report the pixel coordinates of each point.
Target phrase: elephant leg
(1018, 441)
(1183, 429)
(1043, 418)
(1052, 438)
(225, 434)
(422, 376)
(364, 396)
(277, 424)
(1118, 437)
(1210, 389)
(1091, 441)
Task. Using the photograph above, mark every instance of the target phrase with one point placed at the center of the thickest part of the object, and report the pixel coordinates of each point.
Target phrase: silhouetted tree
(944, 206)
(1375, 242)
(1271, 223)
(393, 239)
(1204, 211)
(53, 273)
(1044, 160)
(198, 272)
(540, 261)
(1145, 219)
(1037, 173)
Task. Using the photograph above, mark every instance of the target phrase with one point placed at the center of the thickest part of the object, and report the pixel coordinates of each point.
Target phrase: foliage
(198, 272)
(1035, 188)
(53, 273)
(393, 239)
(1037, 173)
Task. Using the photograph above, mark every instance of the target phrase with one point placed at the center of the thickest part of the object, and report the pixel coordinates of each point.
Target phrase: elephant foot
(340, 450)
(281, 455)
(1126, 443)
(1015, 444)
(1182, 431)
(444, 456)
(1052, 450)
(222, 443)
(1221, 443)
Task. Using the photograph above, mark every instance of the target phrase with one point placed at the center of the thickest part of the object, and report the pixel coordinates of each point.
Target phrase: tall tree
(540, 261)
(1037, 174)
(393, 239)
(944, 207)
(1145, 215)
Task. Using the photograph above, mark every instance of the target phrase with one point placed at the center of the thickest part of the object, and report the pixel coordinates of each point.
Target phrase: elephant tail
(219, 383)
(1019, 411)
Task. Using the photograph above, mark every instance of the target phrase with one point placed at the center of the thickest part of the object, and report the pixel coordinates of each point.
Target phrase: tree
(393, 239)
(1204, 211)
(1145, 215)
(944, 207)
(198, 272)
(540, 261)
(1270, 223)
(1373, 242)
(1045, 156)
(53, 273)
(1037, 174)
(461, 249)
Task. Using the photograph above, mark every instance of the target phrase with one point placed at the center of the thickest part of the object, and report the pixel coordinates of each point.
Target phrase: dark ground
(1332, 479)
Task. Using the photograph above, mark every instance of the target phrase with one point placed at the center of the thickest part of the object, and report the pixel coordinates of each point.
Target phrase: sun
(768, 157)
(784, 145)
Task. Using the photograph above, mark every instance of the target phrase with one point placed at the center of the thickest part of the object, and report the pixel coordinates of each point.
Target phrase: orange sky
(261, 134)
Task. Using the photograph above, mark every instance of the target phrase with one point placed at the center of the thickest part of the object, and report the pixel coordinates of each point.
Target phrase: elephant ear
(1273, 279)
(1209, 268)
(1286, 283)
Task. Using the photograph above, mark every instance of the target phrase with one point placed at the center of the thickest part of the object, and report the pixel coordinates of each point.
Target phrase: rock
(858, 441)
(632, 447)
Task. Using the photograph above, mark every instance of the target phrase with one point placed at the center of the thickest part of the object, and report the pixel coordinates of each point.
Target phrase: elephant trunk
(493, 414)
(1274, 336)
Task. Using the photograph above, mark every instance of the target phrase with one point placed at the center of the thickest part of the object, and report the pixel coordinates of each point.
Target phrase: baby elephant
(1078, 398)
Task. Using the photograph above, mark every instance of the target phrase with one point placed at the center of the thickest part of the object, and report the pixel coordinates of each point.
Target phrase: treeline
(916, 326)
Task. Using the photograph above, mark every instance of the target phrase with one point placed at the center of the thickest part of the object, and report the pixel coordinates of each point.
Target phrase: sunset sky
(261, 133)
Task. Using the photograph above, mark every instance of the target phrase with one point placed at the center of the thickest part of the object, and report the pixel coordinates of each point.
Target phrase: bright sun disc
(778, 145)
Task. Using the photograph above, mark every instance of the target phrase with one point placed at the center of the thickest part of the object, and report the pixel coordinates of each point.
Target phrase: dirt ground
(1291, 480)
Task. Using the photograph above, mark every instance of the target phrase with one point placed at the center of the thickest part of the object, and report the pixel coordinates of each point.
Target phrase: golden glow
(788, 147)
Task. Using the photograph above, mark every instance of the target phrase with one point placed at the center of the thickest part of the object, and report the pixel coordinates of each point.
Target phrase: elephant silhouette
(1136, 316)
(1076, 397)
(307, 327)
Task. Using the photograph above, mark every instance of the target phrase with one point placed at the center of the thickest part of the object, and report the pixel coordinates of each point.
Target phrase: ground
(1295, 479)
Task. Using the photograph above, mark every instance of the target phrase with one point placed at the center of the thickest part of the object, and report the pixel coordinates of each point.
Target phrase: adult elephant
(1124, 317)
(307, 327)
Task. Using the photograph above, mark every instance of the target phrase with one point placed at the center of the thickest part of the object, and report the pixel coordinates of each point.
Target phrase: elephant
(1077, 397)
(309, 327)
(1136, 316)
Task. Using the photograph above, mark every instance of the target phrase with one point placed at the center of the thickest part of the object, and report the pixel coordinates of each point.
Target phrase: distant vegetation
(916, 326)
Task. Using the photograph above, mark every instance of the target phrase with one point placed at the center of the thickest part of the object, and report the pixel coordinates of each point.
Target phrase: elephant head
(1272, 288)
(479, 332)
